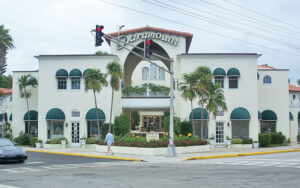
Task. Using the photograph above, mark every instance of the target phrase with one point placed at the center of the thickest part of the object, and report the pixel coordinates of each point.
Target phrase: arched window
(153, 72)
(267, 80)
(145, 73)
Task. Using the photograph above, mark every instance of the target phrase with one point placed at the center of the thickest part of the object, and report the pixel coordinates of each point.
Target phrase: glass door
(220, 133)
(75, 133)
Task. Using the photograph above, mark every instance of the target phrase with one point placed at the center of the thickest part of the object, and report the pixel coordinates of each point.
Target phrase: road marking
(34, 162)
(82, 165)
(63, 166)
(29, 169)
(12, 171)
(51, 168)
(7, 186)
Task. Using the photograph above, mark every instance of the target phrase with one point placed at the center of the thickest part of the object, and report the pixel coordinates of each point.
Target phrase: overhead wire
(261, 14)
(216, 22)
(197, 28)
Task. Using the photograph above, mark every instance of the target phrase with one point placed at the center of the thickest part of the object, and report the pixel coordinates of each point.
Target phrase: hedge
(122, 125)
(264, 140)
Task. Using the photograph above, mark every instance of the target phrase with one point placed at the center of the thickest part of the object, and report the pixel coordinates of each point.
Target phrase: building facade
(61, 107)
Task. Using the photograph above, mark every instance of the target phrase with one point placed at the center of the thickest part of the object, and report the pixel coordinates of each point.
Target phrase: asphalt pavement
(273, 170)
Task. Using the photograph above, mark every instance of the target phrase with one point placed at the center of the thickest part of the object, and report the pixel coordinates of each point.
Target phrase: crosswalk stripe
(30, 169)
(33, 163)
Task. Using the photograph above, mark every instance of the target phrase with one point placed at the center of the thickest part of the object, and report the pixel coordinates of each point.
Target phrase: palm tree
(188, 91)
(203, 75)
(6, 43)
(24, 82)
(95, 80)
(114, 69)
(215, 99)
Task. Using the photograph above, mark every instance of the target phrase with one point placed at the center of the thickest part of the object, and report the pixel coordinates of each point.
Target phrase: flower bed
(162, 142)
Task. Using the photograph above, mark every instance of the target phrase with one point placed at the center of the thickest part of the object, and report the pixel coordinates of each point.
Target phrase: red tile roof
(188, 36)
(264, 67)
(294, 88)
(5, 91)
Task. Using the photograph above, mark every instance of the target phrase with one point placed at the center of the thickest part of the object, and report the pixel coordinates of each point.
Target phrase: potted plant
(83, 141)
(39, 143)
(228, 141)
(63, 142)
(212, 141)
(255, 144)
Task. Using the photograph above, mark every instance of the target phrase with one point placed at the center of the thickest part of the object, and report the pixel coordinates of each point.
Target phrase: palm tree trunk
(202, 120)
(28, 115)
(97, 116)
(111, 108)
(193, 117)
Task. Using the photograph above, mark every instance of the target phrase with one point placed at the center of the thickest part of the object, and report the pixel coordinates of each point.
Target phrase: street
(49, 170)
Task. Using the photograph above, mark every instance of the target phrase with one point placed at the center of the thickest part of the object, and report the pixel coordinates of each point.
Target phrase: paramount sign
(173, 40)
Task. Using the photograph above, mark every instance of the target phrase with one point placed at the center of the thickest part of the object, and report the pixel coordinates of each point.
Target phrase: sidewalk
(165, 159)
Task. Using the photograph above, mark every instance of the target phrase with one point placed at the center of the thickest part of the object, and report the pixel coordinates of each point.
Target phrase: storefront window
(268, 127)
(32, 130)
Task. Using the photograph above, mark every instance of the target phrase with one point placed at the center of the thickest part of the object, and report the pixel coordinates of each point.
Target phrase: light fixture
(228, 124)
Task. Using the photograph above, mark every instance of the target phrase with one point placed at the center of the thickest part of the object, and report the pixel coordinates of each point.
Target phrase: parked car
(9, 152)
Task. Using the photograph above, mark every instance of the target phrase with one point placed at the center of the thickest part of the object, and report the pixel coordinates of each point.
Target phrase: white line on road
(7, 186)
(33, 162)
(29, 169)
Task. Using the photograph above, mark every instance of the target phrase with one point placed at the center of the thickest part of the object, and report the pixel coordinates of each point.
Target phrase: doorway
(75, 134)
(220, 133)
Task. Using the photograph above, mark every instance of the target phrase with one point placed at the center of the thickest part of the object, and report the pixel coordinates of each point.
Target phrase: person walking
(109, 140)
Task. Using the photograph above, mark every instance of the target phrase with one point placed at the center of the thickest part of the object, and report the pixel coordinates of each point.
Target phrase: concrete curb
(86, 155)
(240, 154)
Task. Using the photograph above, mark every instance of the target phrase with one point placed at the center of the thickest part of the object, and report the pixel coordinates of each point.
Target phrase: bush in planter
(9, 136)
(90, 141)
(22, 139)
(298, 138)
(33, 140)
(135, 119)
(122, 125)
(247, 141)
(264, 140)
(166, 124)
(57, 140)
(277, 138)
(186, 127)
(236, 141)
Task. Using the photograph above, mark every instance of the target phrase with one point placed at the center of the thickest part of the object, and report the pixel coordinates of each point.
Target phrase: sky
(269, 27)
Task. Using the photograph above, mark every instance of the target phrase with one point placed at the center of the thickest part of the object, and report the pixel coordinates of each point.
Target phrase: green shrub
(90, 141)
(236, 141)
(264, 140)
(289, 141)
(122, 125)
(277, 138)
(23, 139)
(247, 141)
(33, 140)
(186, 127)
(166, 124)
(105, 127)
(9, 136)
(298, 138)
(135, 119)
(56, 140)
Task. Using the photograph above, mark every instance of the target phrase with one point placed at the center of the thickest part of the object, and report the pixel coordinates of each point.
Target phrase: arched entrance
(145, 89)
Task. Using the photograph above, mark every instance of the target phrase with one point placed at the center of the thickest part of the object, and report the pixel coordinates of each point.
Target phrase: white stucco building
(5, 108)
(257, 97)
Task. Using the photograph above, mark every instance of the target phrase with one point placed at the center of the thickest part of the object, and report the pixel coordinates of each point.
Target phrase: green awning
(259, 116)
(219, 72)
(233, 72)
(197, 114)
(91, 114)
(61, 73)
(10, 117)
(85, 72)
(55, 114)
(291, 117)
(269, 115)
(75, 73)
(240, 114)
(33, 115)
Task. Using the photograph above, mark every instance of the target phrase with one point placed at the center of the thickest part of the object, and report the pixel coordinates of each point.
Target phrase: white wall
(245, 96)
(275, 97)
(19, 104)
(68, 100)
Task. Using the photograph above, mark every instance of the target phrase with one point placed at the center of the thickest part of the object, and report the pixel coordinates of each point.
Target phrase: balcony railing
(146, 90)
